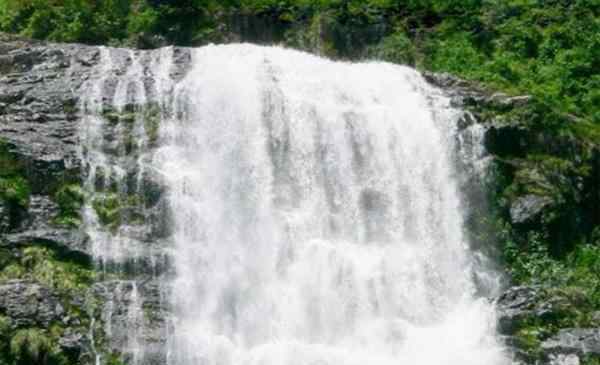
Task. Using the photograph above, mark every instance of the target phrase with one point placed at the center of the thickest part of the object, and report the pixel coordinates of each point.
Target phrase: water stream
(314, 210)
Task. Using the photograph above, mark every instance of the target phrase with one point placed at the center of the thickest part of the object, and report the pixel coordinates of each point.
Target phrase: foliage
(544, 48)
(30, 346)
(47, 267)
(108, 209)
(70, 199)
(14, 188)
(33, 346)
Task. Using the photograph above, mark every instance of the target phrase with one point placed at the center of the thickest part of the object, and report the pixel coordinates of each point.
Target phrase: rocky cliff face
(60, 303)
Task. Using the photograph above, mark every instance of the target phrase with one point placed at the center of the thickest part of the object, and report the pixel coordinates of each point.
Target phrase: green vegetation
(114, 209)
(30, 346)
(68, 279)
(14, 189)
(546, 48)
(151, 115)
(108, 209)
(70, 199)
(47, 267)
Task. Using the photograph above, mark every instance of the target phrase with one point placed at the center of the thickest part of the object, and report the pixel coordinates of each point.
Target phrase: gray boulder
(526, 208)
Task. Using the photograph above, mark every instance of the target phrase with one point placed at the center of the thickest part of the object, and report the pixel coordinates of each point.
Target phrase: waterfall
(314, 210)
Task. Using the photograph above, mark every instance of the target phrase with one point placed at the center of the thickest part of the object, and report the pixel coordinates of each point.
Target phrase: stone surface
(133, 311)
(574, 341)
(27, 303)
(517, 304)
(40, 109)
(526, 208)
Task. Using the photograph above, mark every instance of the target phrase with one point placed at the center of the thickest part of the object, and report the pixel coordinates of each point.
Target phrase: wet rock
(39, 228)
(525, 304)
(528, 207)
(133, 311)
(561, 359)
(574, 341)
(515, 305)
(27, 303)
(466, 120)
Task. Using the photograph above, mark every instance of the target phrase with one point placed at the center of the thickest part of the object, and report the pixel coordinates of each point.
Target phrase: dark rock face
(27, 303)
(38, 126)
(40, 115)
(38, 120)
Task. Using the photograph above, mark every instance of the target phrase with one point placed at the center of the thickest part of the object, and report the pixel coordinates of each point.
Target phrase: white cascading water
(316, 216)
(315, 211)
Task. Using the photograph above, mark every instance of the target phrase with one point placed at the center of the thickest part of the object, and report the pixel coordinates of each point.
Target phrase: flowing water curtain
(122, 106)
(317, 216)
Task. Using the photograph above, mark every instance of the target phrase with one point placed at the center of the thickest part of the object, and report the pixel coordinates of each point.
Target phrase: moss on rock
(108, 209)
(44, 266)
(70, 199)
(14, 188)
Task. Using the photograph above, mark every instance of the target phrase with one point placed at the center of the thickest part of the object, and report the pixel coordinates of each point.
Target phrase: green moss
(36, 346)
(14, 188)
(114, 117)
(30, 346)
(586, 131)
(9, 165)
(590, 360)
(70, 199)
(108, 209)
(149, 113)
(44, 266)
(70, 106)
(115, 209)
(114, 359)
(152, 117)
(6, 257)
(529, 340)
(4, 326)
